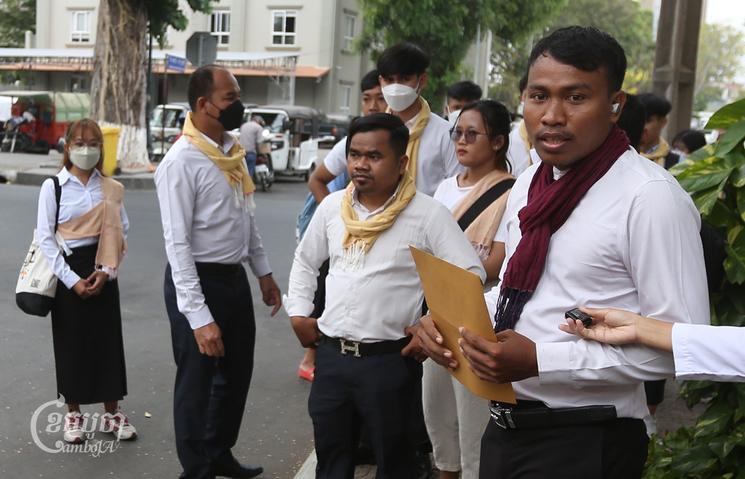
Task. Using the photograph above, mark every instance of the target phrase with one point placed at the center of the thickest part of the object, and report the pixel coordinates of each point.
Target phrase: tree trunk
(118, 87)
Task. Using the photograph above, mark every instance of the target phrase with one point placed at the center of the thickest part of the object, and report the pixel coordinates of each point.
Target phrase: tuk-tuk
(166, 123)
(39, 119)
(294, 137)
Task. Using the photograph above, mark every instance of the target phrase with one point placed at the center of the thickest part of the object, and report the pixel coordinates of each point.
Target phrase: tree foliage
(716, 64)
(445, 29)
(715, 446)
(625, 20)
(167, 13)
(16, 16)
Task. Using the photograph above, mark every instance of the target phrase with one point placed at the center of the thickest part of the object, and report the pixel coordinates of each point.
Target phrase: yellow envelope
(455, 298)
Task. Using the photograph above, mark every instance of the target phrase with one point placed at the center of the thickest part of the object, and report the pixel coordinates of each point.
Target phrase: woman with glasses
(477, 198)
(84, 241)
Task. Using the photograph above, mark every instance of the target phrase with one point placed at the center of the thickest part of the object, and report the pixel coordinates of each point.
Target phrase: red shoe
(306, 373)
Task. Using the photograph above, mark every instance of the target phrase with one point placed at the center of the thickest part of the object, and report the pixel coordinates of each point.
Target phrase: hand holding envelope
(456, 300)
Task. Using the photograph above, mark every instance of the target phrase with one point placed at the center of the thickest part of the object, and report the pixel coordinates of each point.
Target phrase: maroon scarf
(550, 202)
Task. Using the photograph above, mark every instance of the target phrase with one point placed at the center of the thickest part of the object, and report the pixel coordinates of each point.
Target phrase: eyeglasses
(470, 135)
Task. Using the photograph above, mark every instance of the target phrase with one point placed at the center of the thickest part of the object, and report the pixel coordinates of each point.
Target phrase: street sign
(175, 63)
(201, 49)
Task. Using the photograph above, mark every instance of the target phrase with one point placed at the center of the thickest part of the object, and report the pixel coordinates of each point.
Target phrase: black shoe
(236, 470)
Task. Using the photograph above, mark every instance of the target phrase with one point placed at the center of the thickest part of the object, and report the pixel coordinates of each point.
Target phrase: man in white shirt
(367, 369)
(403, 76)
(250, 138)
(206, 206)
(594, 224)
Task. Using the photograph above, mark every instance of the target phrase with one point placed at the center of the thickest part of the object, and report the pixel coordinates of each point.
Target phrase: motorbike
(264, 172)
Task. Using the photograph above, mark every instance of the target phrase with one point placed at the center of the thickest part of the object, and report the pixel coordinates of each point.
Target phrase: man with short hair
(368, 371)
(250, 138)
(431, 152)
(459, 95)
(652, 145)
(206, 206)
(597, 225)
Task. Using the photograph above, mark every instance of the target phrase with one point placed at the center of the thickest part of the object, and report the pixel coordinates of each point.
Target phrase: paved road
(276, 429)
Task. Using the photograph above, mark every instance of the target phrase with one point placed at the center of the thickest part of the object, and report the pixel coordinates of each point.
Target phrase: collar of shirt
(64, 176)
(362, 210)
(559, 173)
(410, 124)
(228, 141)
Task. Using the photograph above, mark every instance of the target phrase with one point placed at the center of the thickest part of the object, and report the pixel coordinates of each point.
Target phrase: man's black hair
(632, 120)
(692, 139)
(370, 80)
(403, 59)
(398, 133)
(585, 48)
(201, 83)
(464, 91)
(655, 105)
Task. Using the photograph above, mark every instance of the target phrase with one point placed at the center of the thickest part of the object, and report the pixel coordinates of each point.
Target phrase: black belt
(358, 349)
(218, 269)
(535, 415)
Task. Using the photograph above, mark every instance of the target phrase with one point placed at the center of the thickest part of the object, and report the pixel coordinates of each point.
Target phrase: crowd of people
(569, 206)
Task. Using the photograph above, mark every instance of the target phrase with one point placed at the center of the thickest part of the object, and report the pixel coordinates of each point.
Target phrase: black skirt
(87, 336)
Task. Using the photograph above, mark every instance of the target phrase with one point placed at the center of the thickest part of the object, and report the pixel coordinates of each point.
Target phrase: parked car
(166, 123)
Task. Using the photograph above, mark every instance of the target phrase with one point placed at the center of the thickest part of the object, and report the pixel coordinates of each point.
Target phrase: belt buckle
(350, 347)
(502, 417)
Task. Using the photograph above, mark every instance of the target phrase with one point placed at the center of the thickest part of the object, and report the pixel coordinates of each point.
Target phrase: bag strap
(58, 197)
(483, 202)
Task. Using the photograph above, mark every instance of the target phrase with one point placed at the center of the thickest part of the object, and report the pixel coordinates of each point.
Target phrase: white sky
(731, 12)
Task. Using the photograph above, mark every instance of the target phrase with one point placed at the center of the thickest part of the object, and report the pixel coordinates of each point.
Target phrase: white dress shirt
(632, 243)
(384, 296)
(715, 353)
(202, 222)
(435, 162)
(76, 200)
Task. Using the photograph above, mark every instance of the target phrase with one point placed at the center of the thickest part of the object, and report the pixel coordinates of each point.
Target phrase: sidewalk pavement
(33, 169)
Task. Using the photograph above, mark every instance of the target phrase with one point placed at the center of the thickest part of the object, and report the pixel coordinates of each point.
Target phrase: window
(283, 27)
(220, 26)
(80, 31)
(346, 97)
(349, 21)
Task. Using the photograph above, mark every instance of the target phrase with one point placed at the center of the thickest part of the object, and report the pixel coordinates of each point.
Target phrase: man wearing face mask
(403, 76)
(206, 205)
(459, 95)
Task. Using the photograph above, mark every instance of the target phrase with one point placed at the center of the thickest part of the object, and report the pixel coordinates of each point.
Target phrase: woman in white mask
(83, 239)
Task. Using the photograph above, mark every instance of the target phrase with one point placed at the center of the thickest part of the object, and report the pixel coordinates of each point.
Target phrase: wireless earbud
(614, 107)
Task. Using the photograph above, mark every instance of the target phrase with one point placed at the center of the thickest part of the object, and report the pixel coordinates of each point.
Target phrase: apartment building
(317, 35)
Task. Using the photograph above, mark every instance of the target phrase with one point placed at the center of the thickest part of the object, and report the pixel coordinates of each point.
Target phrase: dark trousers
(210, 393)
(374, 391)
(615, 449)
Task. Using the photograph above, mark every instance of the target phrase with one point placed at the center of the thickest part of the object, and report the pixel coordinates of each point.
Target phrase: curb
(35, 177)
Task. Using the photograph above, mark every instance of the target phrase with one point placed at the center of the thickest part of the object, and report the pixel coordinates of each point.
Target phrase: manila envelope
(455, 298)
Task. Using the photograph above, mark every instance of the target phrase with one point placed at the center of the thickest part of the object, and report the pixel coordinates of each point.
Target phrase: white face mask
(400, 97)
(85, 157)
(453, 117)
